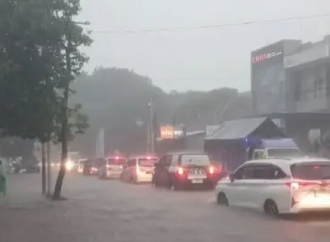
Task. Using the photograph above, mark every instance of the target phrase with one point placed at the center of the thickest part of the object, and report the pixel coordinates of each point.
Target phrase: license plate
(196, 177)
(197, 181)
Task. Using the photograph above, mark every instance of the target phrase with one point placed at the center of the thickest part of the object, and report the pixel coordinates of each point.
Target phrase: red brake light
(117, 158)
(148, 158)
(297, 185)
(180, 171)
(211, 169)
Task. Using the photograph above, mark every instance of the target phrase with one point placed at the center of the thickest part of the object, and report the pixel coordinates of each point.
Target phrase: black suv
(185, 169)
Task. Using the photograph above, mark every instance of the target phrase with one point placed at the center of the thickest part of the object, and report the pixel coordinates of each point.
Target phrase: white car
(112, 167)
(139, 169)
(278, 186)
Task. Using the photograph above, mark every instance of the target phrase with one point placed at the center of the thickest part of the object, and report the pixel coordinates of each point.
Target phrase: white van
(278, 186)
(139, 169)
(112, 167)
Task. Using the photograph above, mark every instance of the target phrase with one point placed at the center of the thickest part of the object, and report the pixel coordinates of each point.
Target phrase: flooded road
(102, 211)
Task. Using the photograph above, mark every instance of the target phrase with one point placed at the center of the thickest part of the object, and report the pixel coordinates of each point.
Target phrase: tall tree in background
(34, 73)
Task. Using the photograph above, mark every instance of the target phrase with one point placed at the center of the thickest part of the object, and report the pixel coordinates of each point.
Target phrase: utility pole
(43, 168)
(49, 170)
(219, 120)
(152, 128)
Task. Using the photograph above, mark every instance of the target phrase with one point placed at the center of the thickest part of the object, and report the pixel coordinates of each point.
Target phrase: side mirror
(231, 177)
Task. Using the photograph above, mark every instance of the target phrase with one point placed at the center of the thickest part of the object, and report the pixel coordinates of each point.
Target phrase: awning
(238, 129)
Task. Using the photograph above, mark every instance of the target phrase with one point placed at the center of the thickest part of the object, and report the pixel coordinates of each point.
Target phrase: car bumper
(144, 178)
(311, 205)
(196, 183)
(113, 175)
(32, 170)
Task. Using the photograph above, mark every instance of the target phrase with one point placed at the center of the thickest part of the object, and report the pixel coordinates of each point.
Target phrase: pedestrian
(3, 178)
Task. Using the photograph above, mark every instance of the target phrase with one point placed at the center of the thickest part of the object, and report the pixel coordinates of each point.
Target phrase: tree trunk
(43, 168)
(65, 124)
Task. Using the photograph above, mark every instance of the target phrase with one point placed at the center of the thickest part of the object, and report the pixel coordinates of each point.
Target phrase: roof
(237, 129)
(289, 161)
(143, 157)
(192, 152)
(198, 132)
(278, 143)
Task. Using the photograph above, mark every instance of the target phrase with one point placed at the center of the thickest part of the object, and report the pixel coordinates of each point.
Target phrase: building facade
(308, 78)
(268, 76)
(290, 82)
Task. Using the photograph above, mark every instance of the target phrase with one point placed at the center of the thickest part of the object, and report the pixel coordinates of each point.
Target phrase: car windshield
(147, 162)
(284, 152)
(116, 161)
(199, 160)
(311, 171)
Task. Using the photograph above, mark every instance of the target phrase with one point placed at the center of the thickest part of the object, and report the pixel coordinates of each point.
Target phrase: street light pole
(151, 133)
(224, 110)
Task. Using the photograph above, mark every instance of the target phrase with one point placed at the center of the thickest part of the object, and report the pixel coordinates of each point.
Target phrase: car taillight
(297, 185)
(211, 169)
(181, 171)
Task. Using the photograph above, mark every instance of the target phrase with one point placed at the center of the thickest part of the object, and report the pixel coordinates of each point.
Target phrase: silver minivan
(112, 168)
(139, 169)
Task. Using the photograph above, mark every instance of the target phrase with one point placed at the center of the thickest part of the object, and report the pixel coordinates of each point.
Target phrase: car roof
(144, 157)
(114, 157)
(187, 153)
(288, 161)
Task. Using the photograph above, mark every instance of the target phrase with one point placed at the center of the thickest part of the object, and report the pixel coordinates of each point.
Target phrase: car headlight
(69, 165)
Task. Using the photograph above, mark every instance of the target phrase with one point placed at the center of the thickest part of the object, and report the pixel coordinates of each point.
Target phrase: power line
(209, 26)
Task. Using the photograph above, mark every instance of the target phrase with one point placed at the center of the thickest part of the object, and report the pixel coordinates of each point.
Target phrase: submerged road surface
(103, 211)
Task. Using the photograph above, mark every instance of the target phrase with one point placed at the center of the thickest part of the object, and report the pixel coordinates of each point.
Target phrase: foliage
(116, 99)
(33, 34)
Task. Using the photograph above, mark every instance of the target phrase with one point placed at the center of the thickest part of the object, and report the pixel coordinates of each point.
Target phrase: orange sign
(166, 132)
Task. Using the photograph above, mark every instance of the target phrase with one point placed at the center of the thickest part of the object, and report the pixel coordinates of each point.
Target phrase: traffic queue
(179, 170)
(275, 186)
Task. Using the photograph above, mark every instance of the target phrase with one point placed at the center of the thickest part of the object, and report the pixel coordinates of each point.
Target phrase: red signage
(263, 57)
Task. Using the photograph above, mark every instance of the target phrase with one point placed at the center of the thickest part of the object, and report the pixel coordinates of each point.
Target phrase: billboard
(172, 132)
(166, 132)
(267, 79)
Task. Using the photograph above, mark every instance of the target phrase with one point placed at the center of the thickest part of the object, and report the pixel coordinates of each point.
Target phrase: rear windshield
(282, 152)
(147, 162)
(311, 171)
(198, 160)
(118, 161)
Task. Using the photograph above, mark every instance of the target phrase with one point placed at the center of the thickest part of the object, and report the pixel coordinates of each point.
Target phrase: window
(259, 154)
(147, 162)
(245, 172)
(175, 160)
(267, 172)
(199, 160)
(116, 161)
(260, 171)
(131, 163)
(167, 161)
(282, 152)
(311, 171)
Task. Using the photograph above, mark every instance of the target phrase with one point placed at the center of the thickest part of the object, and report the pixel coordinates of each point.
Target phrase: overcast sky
(200, 59)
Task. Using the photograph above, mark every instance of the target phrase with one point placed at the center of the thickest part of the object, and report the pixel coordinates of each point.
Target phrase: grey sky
(198, 59)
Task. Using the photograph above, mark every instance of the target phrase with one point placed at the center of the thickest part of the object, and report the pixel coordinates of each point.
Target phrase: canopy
(241, 128)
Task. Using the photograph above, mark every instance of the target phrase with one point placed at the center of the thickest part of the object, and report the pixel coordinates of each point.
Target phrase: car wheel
(222, 199)
(271, 208)
(156, 183)
(175, 186)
